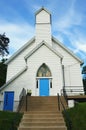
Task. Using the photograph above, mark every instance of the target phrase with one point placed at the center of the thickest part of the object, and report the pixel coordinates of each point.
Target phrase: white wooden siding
(28, 79)
(17, 64)
(71, 67)
(44, 55)
(43, 17)
(43, 27)
(43, 33)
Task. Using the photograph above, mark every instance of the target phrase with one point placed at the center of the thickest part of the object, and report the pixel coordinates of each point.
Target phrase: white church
(43, 65)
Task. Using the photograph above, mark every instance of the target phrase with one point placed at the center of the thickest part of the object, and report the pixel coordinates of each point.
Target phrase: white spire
(43, 26)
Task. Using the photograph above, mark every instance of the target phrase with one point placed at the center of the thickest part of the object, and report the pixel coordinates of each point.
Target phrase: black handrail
(68, 121)
(26, 102)
(72, 89)
(65, 94)
(21, 99)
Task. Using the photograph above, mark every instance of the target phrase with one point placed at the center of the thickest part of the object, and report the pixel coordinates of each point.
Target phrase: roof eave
(39, 45)
(43, 8)
(19, 51)
(69, 51)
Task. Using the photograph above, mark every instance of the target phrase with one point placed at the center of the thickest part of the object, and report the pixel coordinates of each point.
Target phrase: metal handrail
(26, 102)
(69, 123)
(21, 97)
(65, 95)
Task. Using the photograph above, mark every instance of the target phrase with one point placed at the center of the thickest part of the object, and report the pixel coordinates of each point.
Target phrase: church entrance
(44, 87)
(44, 80)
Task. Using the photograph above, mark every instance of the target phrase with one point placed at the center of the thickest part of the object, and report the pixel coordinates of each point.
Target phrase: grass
(78, 116)
(7, 118)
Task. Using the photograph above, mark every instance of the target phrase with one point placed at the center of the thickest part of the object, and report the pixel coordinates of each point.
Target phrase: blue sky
(17, 20)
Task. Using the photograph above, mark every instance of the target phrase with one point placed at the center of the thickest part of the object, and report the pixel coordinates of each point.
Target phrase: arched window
(44, 71)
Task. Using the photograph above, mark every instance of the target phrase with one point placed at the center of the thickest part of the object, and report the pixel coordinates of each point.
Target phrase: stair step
(42, 124)
(42, 114)
(42, 119)
(43, 128)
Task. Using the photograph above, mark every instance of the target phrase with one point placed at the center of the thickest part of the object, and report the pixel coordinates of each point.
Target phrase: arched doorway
(44, 82)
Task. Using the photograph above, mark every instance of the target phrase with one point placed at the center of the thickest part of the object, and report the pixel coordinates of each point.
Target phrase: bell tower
(43, 26)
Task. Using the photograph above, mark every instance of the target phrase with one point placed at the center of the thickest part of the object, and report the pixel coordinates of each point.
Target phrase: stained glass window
(44, 71)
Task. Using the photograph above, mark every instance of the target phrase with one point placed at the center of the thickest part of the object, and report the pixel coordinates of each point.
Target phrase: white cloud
(18, 33)
(67, 24)
(80, 46)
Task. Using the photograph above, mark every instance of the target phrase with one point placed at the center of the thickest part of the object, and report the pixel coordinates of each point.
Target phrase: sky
(17, 20)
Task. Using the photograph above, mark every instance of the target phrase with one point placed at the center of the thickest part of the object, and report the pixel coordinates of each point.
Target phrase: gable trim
(68, 50)
(14, 77)
(19, 51)
(39, 45)
(41, 10)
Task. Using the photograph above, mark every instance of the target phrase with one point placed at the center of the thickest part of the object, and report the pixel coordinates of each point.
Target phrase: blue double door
(8, 101)
(44, 87)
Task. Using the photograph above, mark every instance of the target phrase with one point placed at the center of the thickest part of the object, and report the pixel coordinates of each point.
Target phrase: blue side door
(8, 101)
(44, 87)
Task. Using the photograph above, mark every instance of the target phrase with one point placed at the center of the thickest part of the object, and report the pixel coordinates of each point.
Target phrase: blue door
(44, 87)
(8, 101)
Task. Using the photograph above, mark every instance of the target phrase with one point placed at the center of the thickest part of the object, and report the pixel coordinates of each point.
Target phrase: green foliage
(78, 116)
(84, 70)
(4, 44)
(3, 71)
(9, 118)
(84, 84)
(84, 77)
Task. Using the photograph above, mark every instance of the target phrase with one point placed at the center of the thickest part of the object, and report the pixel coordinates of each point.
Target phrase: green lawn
(7, 118)
(78, 116)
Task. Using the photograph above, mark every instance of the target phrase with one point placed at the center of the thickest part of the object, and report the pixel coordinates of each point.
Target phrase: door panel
(44, 87)
(8, 101)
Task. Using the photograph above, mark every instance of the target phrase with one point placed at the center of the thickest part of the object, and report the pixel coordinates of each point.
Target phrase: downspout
(63, 76)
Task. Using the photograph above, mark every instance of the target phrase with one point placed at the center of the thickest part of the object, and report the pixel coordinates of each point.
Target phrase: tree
(4, 44)
(3, 71)
(84, 70)
(84, 77)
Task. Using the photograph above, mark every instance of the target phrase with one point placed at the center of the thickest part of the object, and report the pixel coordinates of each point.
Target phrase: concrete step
(42, 114)
(43, 109)
(42, 124)
(42, 119)
(43, 128)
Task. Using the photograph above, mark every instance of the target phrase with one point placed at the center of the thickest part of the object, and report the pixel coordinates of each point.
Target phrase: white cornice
(14, 77)
(68, 50)
(38, 46)
(20, 50)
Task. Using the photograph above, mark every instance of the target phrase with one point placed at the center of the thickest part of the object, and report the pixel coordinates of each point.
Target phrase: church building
(43, 65)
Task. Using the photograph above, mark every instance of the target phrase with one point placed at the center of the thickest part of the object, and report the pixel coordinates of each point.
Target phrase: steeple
(43, 26)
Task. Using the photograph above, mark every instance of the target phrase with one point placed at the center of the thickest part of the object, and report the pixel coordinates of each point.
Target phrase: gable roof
(41, 44)
(41, 10)
(33, 39)
(14, 77)
(20, 50)
(67, 49)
